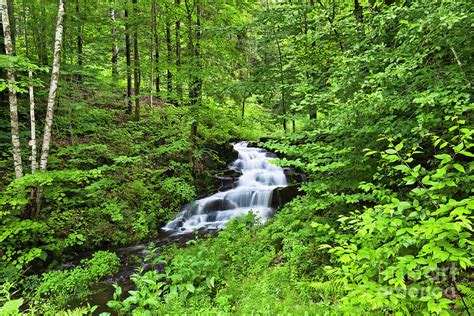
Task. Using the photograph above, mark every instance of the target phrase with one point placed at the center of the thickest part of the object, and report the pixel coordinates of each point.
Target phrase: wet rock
(284, 195)
(218, 205)
(227, 180)
(294, 176)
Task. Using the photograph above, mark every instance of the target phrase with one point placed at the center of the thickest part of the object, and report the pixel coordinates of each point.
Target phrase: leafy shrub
(60, 287)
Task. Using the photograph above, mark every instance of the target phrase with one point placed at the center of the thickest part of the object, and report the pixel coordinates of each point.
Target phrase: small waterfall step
(251, 192)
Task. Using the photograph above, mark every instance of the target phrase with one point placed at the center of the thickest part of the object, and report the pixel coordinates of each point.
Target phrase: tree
(40, 19)
(80, 40)
(3, 73)
(52, 88)
(179, 88)
(129, 61)
(33, 142)
(12, 22)
(15, 130)
(169, 54)
(115, 47)
(156, 47)
(136, 63)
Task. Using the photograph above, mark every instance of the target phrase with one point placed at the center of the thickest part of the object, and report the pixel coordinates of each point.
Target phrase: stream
(254, 185)
(252, 192)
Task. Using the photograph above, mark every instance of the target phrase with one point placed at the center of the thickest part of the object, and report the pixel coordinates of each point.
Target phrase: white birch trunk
(53, 88)
(34, 162)
(115, 48)
(15, 130)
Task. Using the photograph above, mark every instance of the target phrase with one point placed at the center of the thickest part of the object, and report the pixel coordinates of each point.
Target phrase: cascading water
(253, 192)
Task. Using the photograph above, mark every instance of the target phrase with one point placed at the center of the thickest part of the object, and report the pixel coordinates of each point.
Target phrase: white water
(253, 193)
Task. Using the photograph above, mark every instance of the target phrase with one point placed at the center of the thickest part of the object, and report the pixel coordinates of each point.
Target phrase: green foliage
(384, 225)
(58, 288)
(10, 306)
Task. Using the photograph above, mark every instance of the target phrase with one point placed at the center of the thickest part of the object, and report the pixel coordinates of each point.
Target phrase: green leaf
(190, 288)
(459, 167)
(11, 307)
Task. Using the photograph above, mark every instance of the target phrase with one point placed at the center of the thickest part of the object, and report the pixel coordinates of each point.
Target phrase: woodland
(114, 114)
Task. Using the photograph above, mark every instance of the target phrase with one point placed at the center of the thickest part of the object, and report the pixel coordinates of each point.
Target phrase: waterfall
(253, 192)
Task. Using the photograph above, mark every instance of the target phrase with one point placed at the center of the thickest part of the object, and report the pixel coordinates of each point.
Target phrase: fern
(327, 290)
(467, 293)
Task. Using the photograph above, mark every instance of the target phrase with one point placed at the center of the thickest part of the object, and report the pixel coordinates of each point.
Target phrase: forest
(249, 157)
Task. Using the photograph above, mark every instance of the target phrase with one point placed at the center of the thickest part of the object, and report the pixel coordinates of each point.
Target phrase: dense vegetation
(370, 99)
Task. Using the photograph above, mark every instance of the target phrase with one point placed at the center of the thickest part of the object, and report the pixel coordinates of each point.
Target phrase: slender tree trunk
(191, 52)
(129, 63)
(53, 88)
(157, 48)
(2, 36)
(197, 81)
(33, 142)
(136, 64)
(282, 83)
(80, 42)
(25, 29)
(198, 52)
(189, 17)
(169, 49)
(3, 73)
(152, 41)
(310, 73)
(358, 13)
(12, 22)
(38, 34)
(15, 130)
(179, 88)
(115, 48)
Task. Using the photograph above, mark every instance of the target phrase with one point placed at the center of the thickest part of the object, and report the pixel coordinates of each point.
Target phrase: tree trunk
(33, 143)
(358, 13)
(191, 52)
(115, 48)
(196, 82)
(152, 41)
(198, 51)
(3, 73)
(169, 49)
(196, 88)
(15, 130)
(80, 42)
(157, 48)
(136, 64)
(53, 88)
(38, 34)
(189, 17)
(25, 29)
(129, 63)
(12, 22)
(179, 88)
(282, 83)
